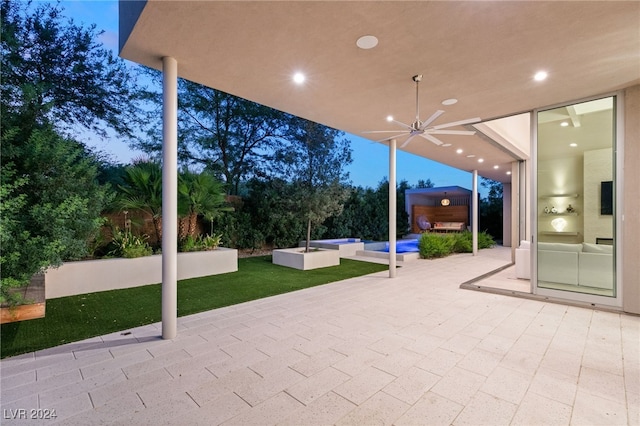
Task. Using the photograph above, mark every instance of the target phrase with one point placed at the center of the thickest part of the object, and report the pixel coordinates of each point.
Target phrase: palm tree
(198, 194)
(142, 190)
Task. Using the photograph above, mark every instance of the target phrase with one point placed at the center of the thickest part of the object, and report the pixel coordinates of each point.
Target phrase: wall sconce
(445, 201)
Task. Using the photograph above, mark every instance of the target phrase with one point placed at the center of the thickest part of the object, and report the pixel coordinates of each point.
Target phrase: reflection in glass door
(575, 197)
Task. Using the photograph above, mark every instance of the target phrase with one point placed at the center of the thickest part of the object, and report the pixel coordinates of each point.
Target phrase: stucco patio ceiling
(482, 53)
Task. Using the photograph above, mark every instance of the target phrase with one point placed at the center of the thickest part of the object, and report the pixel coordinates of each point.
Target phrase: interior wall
(631, 208)
(560, 176)
(598, 167)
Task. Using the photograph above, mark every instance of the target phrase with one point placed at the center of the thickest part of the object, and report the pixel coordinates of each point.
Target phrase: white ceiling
(484, 53)
(589, 125)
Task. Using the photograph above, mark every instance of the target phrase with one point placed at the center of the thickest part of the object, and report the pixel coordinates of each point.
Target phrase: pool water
(404, 246)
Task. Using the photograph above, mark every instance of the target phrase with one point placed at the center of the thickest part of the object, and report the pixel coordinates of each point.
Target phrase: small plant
(188, 243)
(200, 243)
(211, 242)
(125, 244)
(10, 292)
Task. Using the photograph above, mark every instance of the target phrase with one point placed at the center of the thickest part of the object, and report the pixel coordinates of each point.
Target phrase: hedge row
(440, 245)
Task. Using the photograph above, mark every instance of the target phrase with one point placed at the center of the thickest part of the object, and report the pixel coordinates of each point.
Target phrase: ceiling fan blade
(451, 132)
(431, 119)
(405, 143)
(401, 124)
(433, 139)
(457, 123)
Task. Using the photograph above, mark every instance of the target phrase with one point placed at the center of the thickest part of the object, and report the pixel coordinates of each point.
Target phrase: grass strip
(74, 318)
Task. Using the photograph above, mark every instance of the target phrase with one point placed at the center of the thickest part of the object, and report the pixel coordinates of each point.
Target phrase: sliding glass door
(576, 189)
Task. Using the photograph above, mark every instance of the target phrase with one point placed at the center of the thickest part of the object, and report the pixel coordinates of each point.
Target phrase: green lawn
(73, 318)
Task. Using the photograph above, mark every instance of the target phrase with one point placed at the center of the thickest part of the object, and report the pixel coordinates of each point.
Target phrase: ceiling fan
(422, 129)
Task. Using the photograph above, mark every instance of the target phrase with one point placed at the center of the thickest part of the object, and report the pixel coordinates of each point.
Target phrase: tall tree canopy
(54, 71)
(314, 160)
(229, 136)
(491, 209)
(56, 80)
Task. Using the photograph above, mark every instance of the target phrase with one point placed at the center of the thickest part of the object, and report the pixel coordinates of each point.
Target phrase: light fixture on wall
(445, 201)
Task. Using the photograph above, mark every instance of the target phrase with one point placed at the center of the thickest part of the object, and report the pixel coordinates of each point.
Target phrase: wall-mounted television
(606, 198)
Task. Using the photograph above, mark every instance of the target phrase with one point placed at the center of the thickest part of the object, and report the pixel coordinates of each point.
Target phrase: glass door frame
(618, 147)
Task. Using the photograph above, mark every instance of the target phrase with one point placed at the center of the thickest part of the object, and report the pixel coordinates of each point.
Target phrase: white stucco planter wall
(90, 276)
(298, 259)
(346, 246)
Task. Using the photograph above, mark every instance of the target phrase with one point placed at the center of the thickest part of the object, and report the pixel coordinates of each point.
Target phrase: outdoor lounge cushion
(455, 226)
(597, 248)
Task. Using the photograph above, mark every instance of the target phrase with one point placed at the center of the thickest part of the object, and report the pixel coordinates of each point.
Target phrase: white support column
(474, 204)
(392, 208)
(169, 197)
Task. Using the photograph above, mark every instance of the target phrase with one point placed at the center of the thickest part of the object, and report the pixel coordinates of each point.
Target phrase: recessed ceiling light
(450, 101)
(367, 42)
(540, 76)
(508, 173)
(480, 160)
(459, 151)
(564, 124)
(446, 145)
(299, 78)
(496, 167)
(389, 118)
(573, 145)
(470, 155)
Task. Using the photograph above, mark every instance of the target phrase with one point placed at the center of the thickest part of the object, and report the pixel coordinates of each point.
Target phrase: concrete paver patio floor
(416, 349)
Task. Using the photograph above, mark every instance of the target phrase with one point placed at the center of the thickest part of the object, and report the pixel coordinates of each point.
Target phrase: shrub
(125, 244)
(200, 243)
(134, 251)
(485, 240)
(435, 245)
(440, 245)
(462, 242)
(187, 244)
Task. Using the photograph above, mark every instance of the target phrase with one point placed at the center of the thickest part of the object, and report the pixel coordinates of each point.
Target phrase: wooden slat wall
(439, 214)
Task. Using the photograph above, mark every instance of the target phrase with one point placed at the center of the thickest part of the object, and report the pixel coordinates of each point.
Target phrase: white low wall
(346, 247)
(89, 276)
(297, 259)
(400, 257)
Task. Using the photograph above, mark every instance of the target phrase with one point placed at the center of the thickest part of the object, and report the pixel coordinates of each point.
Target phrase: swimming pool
(403, 246)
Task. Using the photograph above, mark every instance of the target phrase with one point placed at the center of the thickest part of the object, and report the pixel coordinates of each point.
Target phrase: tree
(54, 71)
(314, 159)
(56, 79)
(491, 209)
(268, 207)
(142, 190)
(51, 213)
(199, 194)
(229, 136)
(425, 184)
